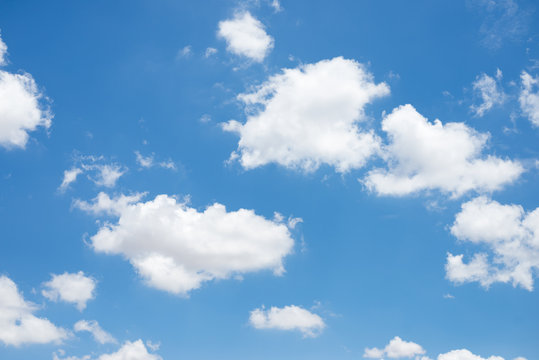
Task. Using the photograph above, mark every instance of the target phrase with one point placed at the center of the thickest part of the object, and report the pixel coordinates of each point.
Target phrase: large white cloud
(395, 349)
(288, 318)
(529, 97)
(176, 248)
(433, 156)
(490, 92)
(246, 36)
(508, 232)
(75, 288)
(464, 354)
(308, 116)
(18, 324)
(21, 109)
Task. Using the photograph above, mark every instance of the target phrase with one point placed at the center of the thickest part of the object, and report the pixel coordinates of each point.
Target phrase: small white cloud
(92, 326)
(205, 118)
(18, 324)
(69, 177)
(288, 318)
(108, 174)
(210, 52)
(176, 248)
(184, 52)
(489, 91)
(424, 156)
(448, 296)
(246, 36)
(75, 288)
(3, 51)
(510, 233)
(529, 97)
(21, 109)
(397, 348)
(305, 117)
(144, 161)
(464, 354)
(276, 5)
(153, 346)
(131, 351)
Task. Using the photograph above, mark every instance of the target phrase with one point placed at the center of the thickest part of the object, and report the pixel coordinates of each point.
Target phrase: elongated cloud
(75, 288)
(309, 116)
(432, 156)
(92, 326)
(529, 97)
(288, 318)
(246, 36)
(176, 248)
(18, 324)
(490, 92)
(508, 232)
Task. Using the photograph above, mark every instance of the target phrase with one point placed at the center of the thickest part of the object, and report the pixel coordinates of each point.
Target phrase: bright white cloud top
(396, 348)
(18, 324)
(288, 318)
(308, 116)
(464, 354)
(509, 232)
(3, 51)
(246, 36)
(529, 97)
(131, 351)
(92, 326)
(176, 248)
(432, 156)
(21, 109)
(75, 288)
(489, 91)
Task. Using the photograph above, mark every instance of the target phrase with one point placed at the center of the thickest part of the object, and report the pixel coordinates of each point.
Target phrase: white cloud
(210, 52)
(510, 233)
(464, 354)
(21, 109)
(529, 97)
(276, 5)
(108, 174)
(308, 116)
(288, 318)
(184, 52)
(246, 36)
(92, 326)
(397, 348)
(176, 248)
(131, 351)
(18, 325)
(70, 176)
(149, 162)
(3, 51)
(489, 91)
(73, 288)
(433, 156)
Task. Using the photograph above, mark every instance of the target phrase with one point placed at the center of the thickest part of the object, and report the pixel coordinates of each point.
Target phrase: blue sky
(269, 180)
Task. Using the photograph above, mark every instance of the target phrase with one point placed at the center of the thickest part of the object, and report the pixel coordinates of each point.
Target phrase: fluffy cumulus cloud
(21, 109)
(464, 354)
(18, 324)
(396, 349)
(288, 318)
(509, 233)
(246, 36)
(176, 248)
(308, 116)
(92, 326)
(433, 156)
(489, 91)
(529, 97)
(131, 351)
(75, 288)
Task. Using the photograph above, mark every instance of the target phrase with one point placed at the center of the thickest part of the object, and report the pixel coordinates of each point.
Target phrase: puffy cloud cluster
(246, 36)
(18, 324)
(288, 318)
(395, 349)
(529, 97)
(75, 288)
(176, 248)
(433, 156)
(489, 91)
(510, 233)
(97, 169)
(308, 116)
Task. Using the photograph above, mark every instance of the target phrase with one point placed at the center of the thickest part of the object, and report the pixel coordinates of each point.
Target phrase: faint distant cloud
(184, 52)
(448, 296)
(210, 52)
(205, 118)
(502, 20)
